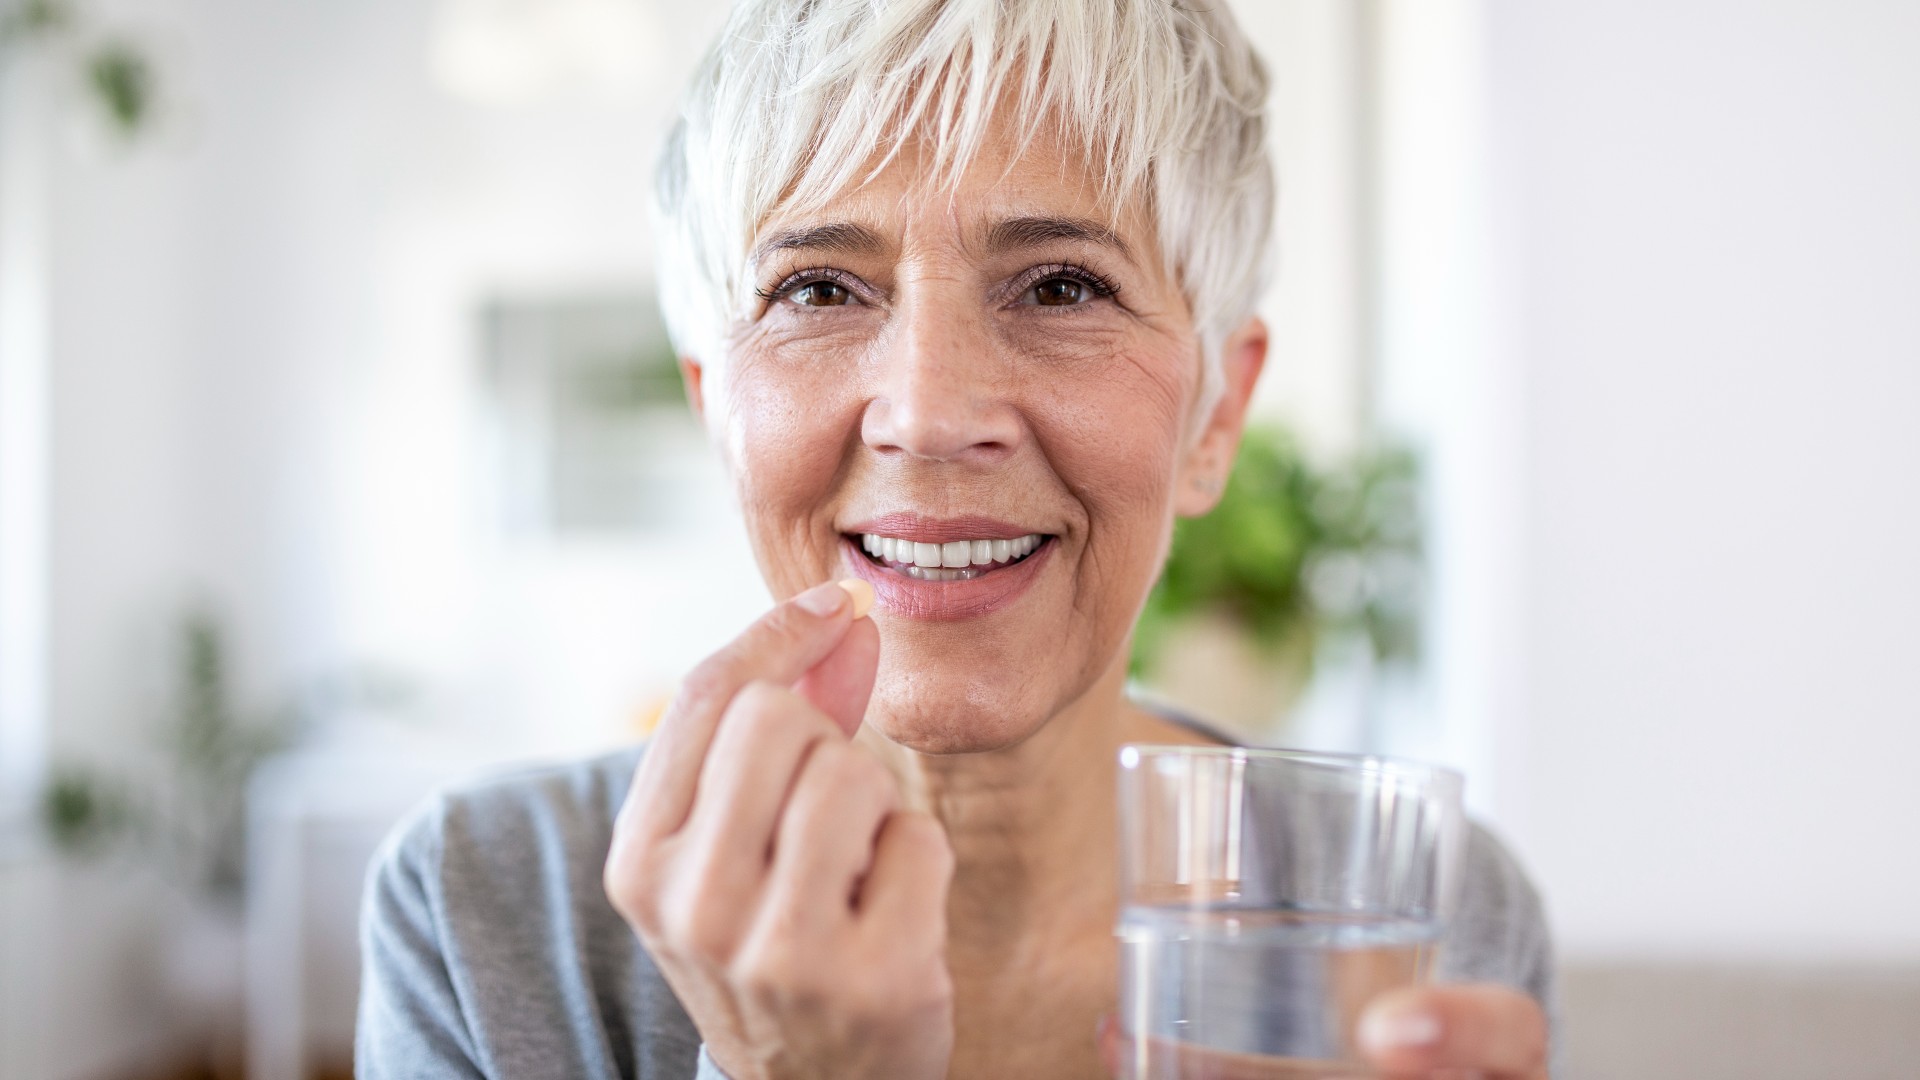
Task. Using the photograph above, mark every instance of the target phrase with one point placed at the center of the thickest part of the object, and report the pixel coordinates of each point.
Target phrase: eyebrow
(1025, 232)
(843, 237)
(1010, 234)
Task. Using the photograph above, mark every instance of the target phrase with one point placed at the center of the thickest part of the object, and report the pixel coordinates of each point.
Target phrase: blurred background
(341, 456)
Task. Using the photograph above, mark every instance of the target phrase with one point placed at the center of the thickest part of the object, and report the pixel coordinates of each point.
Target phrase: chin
(934, 717)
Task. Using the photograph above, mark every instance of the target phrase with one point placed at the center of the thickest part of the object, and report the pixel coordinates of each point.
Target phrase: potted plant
(1295, 557)
(117, 76)
(186, 819)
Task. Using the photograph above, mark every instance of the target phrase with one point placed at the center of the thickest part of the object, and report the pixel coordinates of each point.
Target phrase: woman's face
(932, 382)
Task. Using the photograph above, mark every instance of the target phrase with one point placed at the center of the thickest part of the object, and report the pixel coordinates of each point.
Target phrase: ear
(1203, 471)
(691, 374)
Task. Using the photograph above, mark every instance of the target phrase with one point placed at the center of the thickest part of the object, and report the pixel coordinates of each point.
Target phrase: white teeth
(924, 574)
(934, 561)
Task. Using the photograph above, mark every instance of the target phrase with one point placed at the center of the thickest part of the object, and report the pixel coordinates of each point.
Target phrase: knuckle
(865, 769)
(921, 833)
(700, 917)
(852, 780)
(771, 971)
(784, 623)
(700, 930)
(628, 883)
(926, 989)
(903, 989)
(780, 919)
(628, 897)
(705, 685)
(757, 705)
(836, 760)
(767, 714)
(831, 763)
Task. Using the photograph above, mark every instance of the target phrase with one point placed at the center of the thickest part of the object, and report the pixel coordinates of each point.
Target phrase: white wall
(1314, 306)
(266, 382)
(261, 388)
(102, 493)
(1446, 387)
(1710, 295)
(24, 438)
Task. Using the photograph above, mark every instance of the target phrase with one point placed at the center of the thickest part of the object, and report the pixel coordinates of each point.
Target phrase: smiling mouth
(957, 560)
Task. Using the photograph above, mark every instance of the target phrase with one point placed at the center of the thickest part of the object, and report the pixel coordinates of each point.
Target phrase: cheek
(785, 438)
(1113, 438)
(1111, 425)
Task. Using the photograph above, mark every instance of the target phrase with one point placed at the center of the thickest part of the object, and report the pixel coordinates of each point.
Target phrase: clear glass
(1268, 895)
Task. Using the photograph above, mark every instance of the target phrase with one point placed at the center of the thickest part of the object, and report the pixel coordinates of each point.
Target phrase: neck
(1032, 825)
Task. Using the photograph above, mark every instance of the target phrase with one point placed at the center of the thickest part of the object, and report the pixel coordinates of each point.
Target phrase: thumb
(841, 684)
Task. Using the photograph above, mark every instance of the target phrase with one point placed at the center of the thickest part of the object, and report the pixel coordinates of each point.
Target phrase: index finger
(780, 647)
(1492, 1030)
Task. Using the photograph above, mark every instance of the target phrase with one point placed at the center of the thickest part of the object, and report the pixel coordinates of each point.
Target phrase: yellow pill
(862, 594)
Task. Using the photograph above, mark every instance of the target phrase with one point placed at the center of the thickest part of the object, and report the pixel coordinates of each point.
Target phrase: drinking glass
(1266, 897)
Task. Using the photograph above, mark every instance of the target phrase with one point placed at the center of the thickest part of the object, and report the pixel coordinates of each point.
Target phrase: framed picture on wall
(590, 421)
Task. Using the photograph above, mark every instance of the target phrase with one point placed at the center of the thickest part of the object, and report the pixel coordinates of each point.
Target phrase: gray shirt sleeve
(1500, 933)
(490, 949)
(410, 1021)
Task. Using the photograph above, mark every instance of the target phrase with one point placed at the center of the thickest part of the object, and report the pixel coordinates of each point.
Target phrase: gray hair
(1165, 97)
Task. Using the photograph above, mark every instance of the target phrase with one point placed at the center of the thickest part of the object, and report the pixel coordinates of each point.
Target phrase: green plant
(34, 18)
(191, 819)
(213, 751)
(1295, 552)
(118, 76)
(83, 809)
(123, 82)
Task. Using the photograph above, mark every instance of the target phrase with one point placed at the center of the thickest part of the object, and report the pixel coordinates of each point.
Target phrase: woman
(964, 292)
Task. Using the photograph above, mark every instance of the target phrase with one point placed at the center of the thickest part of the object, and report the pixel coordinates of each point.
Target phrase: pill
(862, 594)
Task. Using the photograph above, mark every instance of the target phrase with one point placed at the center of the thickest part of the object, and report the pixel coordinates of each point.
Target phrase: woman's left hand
(1485, 1030)
(1481, 1030)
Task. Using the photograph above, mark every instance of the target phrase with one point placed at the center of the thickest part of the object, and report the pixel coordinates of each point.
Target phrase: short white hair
(1165, 98)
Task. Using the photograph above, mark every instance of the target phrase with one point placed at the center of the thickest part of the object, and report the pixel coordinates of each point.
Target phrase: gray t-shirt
(490, 949)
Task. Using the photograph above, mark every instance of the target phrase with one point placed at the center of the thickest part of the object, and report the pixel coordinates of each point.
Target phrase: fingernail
(862, 594)
(1399, 1029)
(822, 600)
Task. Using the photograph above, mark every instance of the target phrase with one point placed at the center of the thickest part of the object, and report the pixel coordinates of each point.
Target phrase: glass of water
(1266, 897)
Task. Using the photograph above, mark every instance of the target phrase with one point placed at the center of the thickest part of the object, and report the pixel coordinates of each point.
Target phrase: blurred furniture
(1654, 1021)
(315, 819)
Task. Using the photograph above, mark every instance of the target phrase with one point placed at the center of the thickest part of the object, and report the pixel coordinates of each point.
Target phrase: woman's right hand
(764, 860)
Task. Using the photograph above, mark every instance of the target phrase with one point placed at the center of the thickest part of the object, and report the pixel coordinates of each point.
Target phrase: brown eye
(821, 294)
(1059, 292)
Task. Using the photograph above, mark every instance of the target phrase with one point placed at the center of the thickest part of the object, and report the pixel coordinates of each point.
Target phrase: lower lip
(912, 598)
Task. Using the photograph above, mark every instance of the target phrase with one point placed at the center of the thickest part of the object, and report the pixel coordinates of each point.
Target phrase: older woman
(964, 291)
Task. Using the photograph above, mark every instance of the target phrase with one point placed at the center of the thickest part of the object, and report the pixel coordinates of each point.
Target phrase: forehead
(1007, 197)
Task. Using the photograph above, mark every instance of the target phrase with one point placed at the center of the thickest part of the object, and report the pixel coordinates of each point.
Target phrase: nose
(943, 392)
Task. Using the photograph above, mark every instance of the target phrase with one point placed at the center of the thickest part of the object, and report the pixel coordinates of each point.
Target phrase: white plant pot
(1211, 668)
